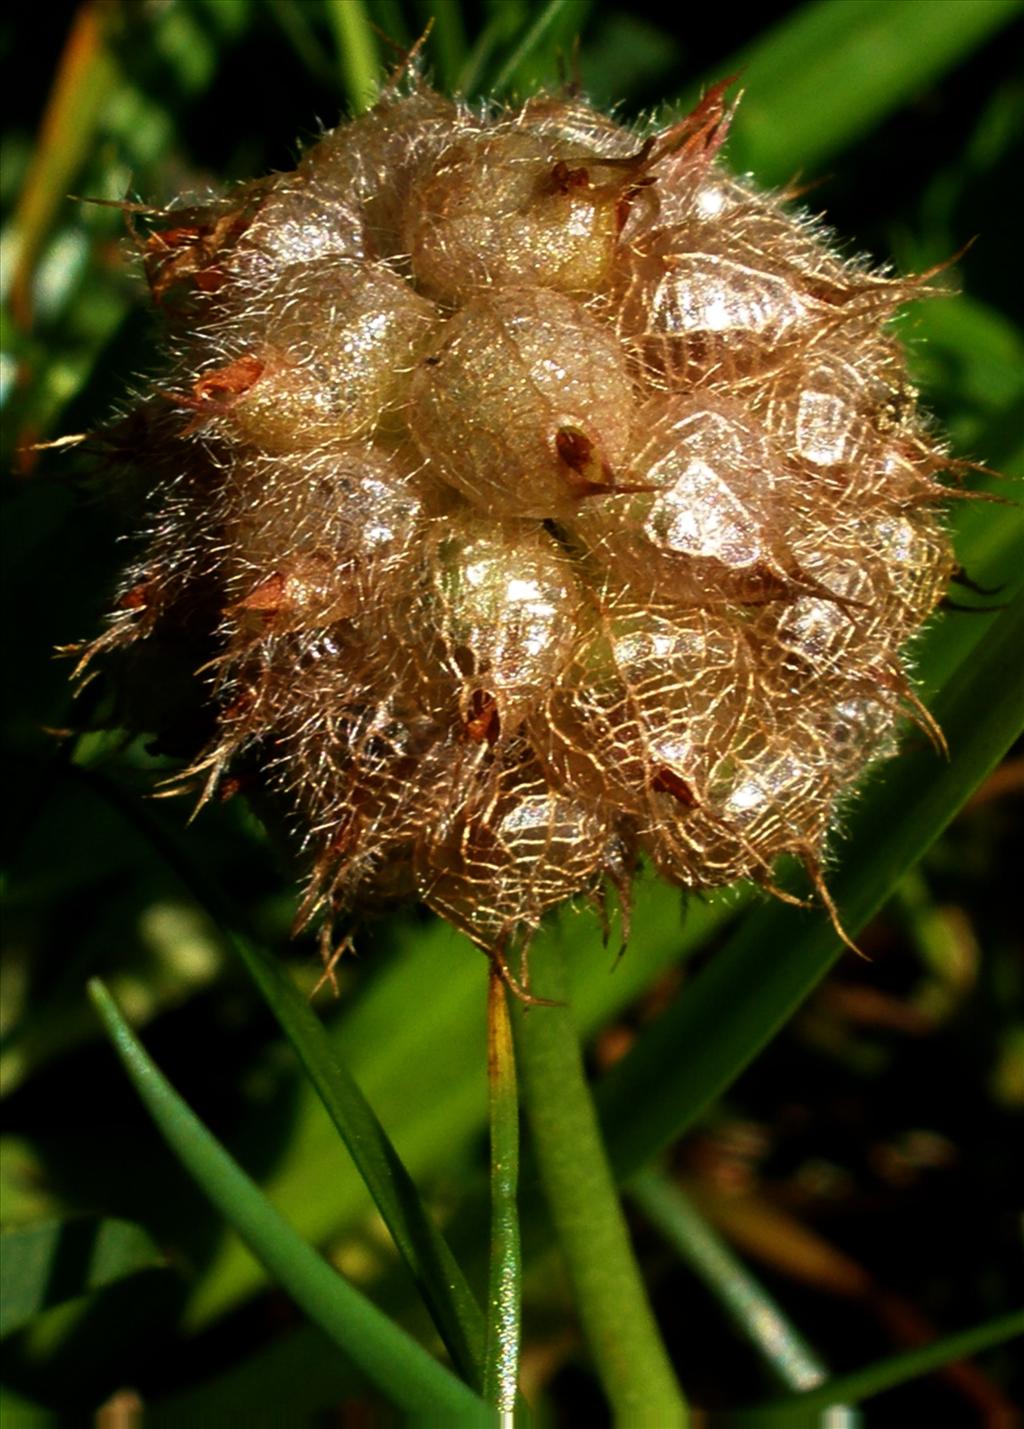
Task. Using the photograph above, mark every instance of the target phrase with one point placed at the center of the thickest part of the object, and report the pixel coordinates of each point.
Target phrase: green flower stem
(399, 1367)
(504, 1290)
(357, 52)
(791, 1360)
(887, 1374)
(617, 1318)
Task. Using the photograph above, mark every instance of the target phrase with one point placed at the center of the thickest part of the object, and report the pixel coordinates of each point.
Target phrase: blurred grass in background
(863, 1161)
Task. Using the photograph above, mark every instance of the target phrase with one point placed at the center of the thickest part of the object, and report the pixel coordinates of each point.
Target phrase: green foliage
(873, 1379)
(397, 1367)
(48, 1262)
(914, 106)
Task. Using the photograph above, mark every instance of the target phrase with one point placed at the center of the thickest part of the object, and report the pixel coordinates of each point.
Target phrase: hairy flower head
(529, 494)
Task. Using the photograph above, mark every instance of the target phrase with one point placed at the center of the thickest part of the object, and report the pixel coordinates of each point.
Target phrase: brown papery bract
(529, 494)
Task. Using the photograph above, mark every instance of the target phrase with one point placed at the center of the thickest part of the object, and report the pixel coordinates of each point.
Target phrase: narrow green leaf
(504, 1289)
(440, 1281)
(19, 1413)
(229, 17)
(124, 80)
(626, 54)
(393, 25)
(436, 1113)
(779, 954)
(357, 52)
(47, 1262)
(748, 1304)
(425, 1251)
(400, 1368)
(886, 1374)
(970, 358)
(825, 76)
(298, 1368)
(617, 1319)
(448, 48)
(84, 80)
(500, 28)
(989, 543)
(524, 65)
(293, 19)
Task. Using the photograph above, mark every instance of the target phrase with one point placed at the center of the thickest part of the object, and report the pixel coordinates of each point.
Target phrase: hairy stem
(501, 1359)
(617, 1318)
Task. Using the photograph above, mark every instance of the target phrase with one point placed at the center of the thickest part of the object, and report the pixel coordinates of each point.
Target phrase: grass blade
(400, 1368)
(84, 80)
(297, 30)
(612, 1301)
(19, 1413)
(47, 1262)
(441, 1283)
(297, 1368)
(504, 1290)
(519, 69)
(445, 1291)
(439, 1112)
(357, 52)
(829, 73)
(448, 47)
(886, 1374)
(779, 954)
(498, 30)
(790, 1359)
